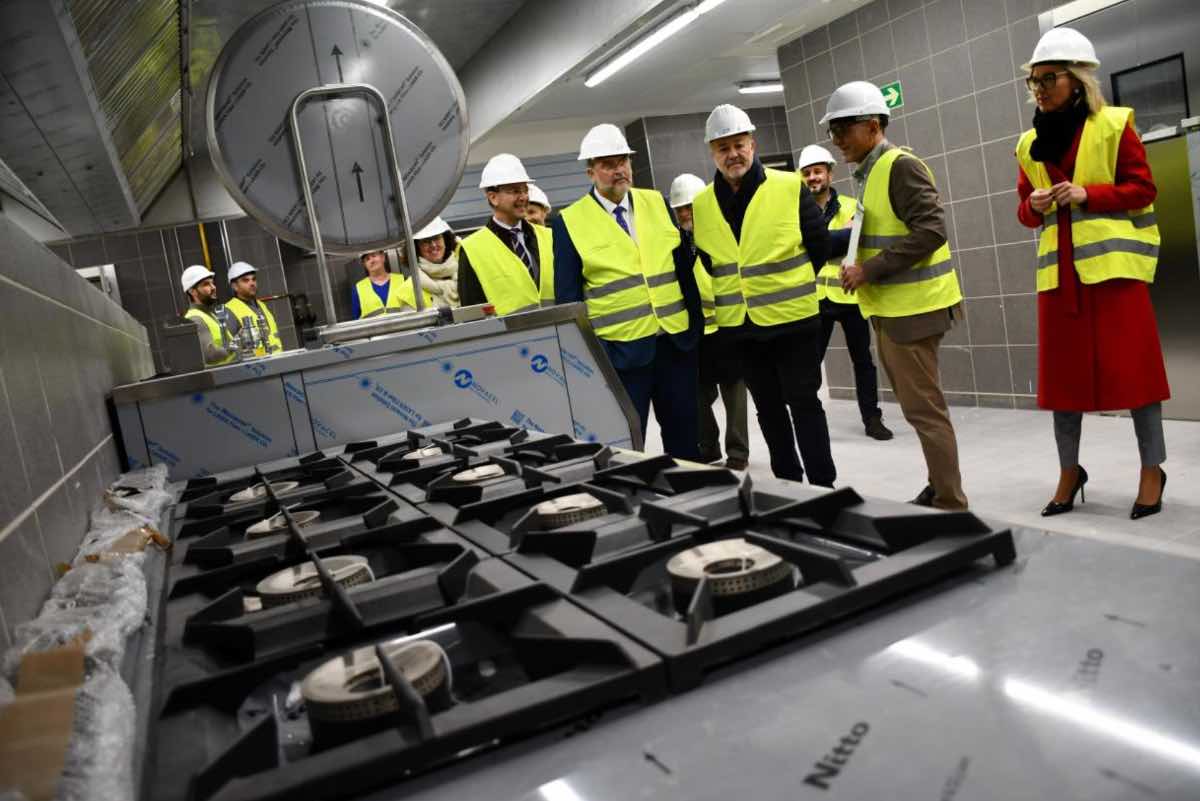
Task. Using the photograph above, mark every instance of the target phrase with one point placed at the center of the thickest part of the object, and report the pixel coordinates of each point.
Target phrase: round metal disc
(298, 45)
(352, 687)
(303, 581)
(484, 472)
(276, 523)
(733, 566)
(427, 452)
(567, 509)
(258, 491)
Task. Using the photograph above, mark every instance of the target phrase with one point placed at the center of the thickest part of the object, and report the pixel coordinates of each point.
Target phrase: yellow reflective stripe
(918, 274)
(826, 281)
(724, 270)
(878, 241)
(791, 293)
(670, 308)
(731, 299)
(770, 268)
(660, 279)
(1102, 248)
(1078, 215)
(623, 316)
(628, 282)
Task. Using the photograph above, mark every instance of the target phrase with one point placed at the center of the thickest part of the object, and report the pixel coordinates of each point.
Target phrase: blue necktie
(519, 248)
(619, 213)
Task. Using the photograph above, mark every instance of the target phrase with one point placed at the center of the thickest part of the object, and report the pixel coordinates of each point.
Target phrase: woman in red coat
(1084, 178)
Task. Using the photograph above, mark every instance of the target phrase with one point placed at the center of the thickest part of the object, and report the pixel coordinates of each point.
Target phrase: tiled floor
(1010, 468)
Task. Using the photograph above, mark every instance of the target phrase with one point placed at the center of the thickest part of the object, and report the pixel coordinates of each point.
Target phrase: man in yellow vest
(382, 292)
(509, 262)
(248, 311)
(903, 276)
(218, 329)
(838, 306)
(761, 237)
(618, 250)
(715, 362)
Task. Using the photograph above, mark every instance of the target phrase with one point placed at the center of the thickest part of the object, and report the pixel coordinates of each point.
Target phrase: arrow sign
(358, 171)
(893, 94)
(337, 56)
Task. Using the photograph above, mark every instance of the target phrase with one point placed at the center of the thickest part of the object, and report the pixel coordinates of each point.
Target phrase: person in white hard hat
(537, 211)
(436, 257)
(714, 375)
(248, 310)
(382, 291)
(618, 250)
(1084, 182)
(218, 329)
(509, 262)
(761, 237)
(903, 276)
(838, 306)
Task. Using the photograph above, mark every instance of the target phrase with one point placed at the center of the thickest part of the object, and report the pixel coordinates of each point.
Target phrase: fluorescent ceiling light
(649, 42)
(760, 88)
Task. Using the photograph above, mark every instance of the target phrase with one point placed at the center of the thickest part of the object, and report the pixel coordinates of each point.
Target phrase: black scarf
(1056, 131)
(733, 205)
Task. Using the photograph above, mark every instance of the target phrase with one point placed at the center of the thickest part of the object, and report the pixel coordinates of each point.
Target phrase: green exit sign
(893, 94)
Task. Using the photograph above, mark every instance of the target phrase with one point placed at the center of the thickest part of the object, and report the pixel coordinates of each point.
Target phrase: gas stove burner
(429, 451)
(277, 523)
(569, 509)
(739, 574)
(259, 491)
(485, 472)
(303, 581)
(352, 688)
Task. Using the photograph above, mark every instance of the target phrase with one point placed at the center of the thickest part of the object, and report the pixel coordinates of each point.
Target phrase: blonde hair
(1086, 75)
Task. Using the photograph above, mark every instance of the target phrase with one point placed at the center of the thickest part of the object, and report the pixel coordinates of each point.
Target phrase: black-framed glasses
(839, 128)
(1044, 82)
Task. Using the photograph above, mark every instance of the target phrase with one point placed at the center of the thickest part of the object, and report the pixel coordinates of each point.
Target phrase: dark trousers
(858, 342)
(669, 381)
(783, 374)
(737, 437)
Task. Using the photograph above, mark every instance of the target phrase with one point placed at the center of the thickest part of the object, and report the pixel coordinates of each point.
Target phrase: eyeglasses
(512, 189)
(839, 128)
(1044, 82)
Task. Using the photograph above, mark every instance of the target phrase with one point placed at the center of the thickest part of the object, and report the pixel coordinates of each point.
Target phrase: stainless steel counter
(542, 370)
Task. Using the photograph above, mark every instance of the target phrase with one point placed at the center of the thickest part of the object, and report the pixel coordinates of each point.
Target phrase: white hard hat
(501, 169)
(603, 140)
(814, 154)
(855, 99)
(194, 275)
(684, 189)
(726, 120)
(1066, 45)
(239, 269)
(536, 195)
(435, 228)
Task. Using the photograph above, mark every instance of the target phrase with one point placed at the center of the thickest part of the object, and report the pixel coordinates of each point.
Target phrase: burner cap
(258, 491)
(568, 509)
(733, 567)
(422, 453)
(484, 472)
(275, 524)
(303, 581)
(352, 687)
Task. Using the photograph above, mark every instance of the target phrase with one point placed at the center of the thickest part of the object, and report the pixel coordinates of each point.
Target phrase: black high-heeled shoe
(1056, 508)
(1141, 510)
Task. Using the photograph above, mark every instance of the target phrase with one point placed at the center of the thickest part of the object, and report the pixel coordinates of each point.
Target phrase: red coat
(1098, 345)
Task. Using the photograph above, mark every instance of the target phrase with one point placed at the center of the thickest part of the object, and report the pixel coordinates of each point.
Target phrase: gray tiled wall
(149, 263)
(964, 106)
(63, 346)
(669, 146)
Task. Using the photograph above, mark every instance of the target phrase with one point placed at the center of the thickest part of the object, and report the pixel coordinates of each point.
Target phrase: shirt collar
(501, 225)
(609, 205)
(861, 172)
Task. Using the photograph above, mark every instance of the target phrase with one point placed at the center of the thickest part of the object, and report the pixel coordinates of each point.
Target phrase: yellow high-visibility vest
(767, 274)
(242, 310)
(1109, 244)
(829, 280)
(505, 279)
(928, 285)
(630, 288)
(220, 336)
(708, 305)
(400, 297)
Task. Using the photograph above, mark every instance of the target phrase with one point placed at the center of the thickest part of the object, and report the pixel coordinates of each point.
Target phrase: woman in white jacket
(439, 266)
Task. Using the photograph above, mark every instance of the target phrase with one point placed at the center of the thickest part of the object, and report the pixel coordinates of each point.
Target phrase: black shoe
(926, 497)
(1056, 508)
(736, 464)
(877, 430)
(710, 458)
(1142, 510)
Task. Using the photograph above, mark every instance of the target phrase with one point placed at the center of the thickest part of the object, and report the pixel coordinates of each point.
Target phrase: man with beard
(837, 305)
(761, 237)
(618, 250)
(218, 329)
(246, 308)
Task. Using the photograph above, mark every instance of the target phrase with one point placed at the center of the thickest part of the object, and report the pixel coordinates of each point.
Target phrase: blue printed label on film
(160, 453)
(255, 368)
(540, 365)
(465, 379)
(384, 397)
(577, 364)
(294, 393)
(582, 433)
(344, 351)
(519, 418)
(246, 429)
(322, 429)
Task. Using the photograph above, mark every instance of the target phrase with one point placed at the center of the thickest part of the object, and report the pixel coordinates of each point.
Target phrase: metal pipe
(397, 180)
